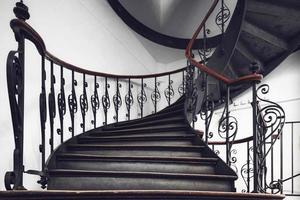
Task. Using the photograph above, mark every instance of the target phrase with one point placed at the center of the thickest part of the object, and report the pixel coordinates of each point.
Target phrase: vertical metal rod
(73, 102)
(84, 96)
(169, 89)
(272, 161)
(206, 108)
(264, 178)
(18, 156)
(183, 83)
(222, 10)
(51, 110)
(281, 158)
(248, 167)
(206, 85)
(129, 96)
(142, 97)
(255, 159)
(155, 96)
(227, 99)
(117, 107)
(292, 155)
(106, 94)
(95, 96)
(43, 112)
(62, 97)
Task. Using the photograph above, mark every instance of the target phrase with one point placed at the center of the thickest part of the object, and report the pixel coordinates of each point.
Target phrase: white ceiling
(177, 18)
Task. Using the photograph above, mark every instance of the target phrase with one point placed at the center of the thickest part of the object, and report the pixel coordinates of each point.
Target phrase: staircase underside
(139, 194)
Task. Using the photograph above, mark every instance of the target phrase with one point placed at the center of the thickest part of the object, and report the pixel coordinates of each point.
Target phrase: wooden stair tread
(70, 156)
(148, 137)
(133, 194)
(146, 123)
(90, 173)
(148, 147)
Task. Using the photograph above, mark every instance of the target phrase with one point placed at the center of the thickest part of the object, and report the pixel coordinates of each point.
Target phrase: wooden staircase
(158, 152)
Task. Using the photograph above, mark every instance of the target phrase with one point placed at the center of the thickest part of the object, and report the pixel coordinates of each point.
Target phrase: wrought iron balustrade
(74, 100)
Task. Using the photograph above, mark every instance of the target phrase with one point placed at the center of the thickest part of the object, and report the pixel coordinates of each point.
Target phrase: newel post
(15, 82)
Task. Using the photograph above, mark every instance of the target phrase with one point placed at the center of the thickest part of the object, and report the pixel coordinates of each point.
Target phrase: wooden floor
(137, 194)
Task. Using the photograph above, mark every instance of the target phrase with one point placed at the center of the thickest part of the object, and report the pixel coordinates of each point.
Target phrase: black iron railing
(279, 174)
(268, 118)
(88, 98)
(94, 99)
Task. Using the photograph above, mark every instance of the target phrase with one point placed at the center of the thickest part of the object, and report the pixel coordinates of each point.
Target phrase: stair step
(173, 120)
(101, 180)
(135, 194)
(136, 163)
(171, 133)
(153, 117)
(154, 129)
(136, 150)
(153, 140)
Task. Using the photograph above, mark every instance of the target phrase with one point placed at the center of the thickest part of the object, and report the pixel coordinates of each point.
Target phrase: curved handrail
(209, 71)
(69, 66)
(20, 27)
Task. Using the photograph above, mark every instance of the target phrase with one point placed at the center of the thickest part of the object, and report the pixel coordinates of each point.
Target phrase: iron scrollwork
(182, 86)
(142, 98)
(169, 92)
(117, 100)
(106, 101)
(270, 121)
(61, 101)
(73, 105)
(191, 92)
(129, 99)
(95, 102)
(15, 83)
(84, 104)
(52, 107)
(155, 95)
(222, 16)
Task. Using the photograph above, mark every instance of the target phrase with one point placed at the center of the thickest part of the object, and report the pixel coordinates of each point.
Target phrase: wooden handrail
(20, 27)
(69, 66)
(209, 71)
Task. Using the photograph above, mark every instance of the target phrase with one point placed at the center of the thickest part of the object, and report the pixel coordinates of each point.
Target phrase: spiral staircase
(160, 156)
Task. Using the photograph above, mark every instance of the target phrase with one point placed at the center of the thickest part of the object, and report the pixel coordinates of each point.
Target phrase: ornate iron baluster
(181, 88)
(269, 123)
(106, 101)
(52, 107)
(206, 113)
(222, 18)
(15, 83)
(129, 99)
(169, 92)
(247, 171)
(61, 101)
(72, 101)
(43, 118)
(95, 102)
(228, 125)
(191, 93)
(142, 97)
(155, 95)
(84, 103)
(117, 100)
